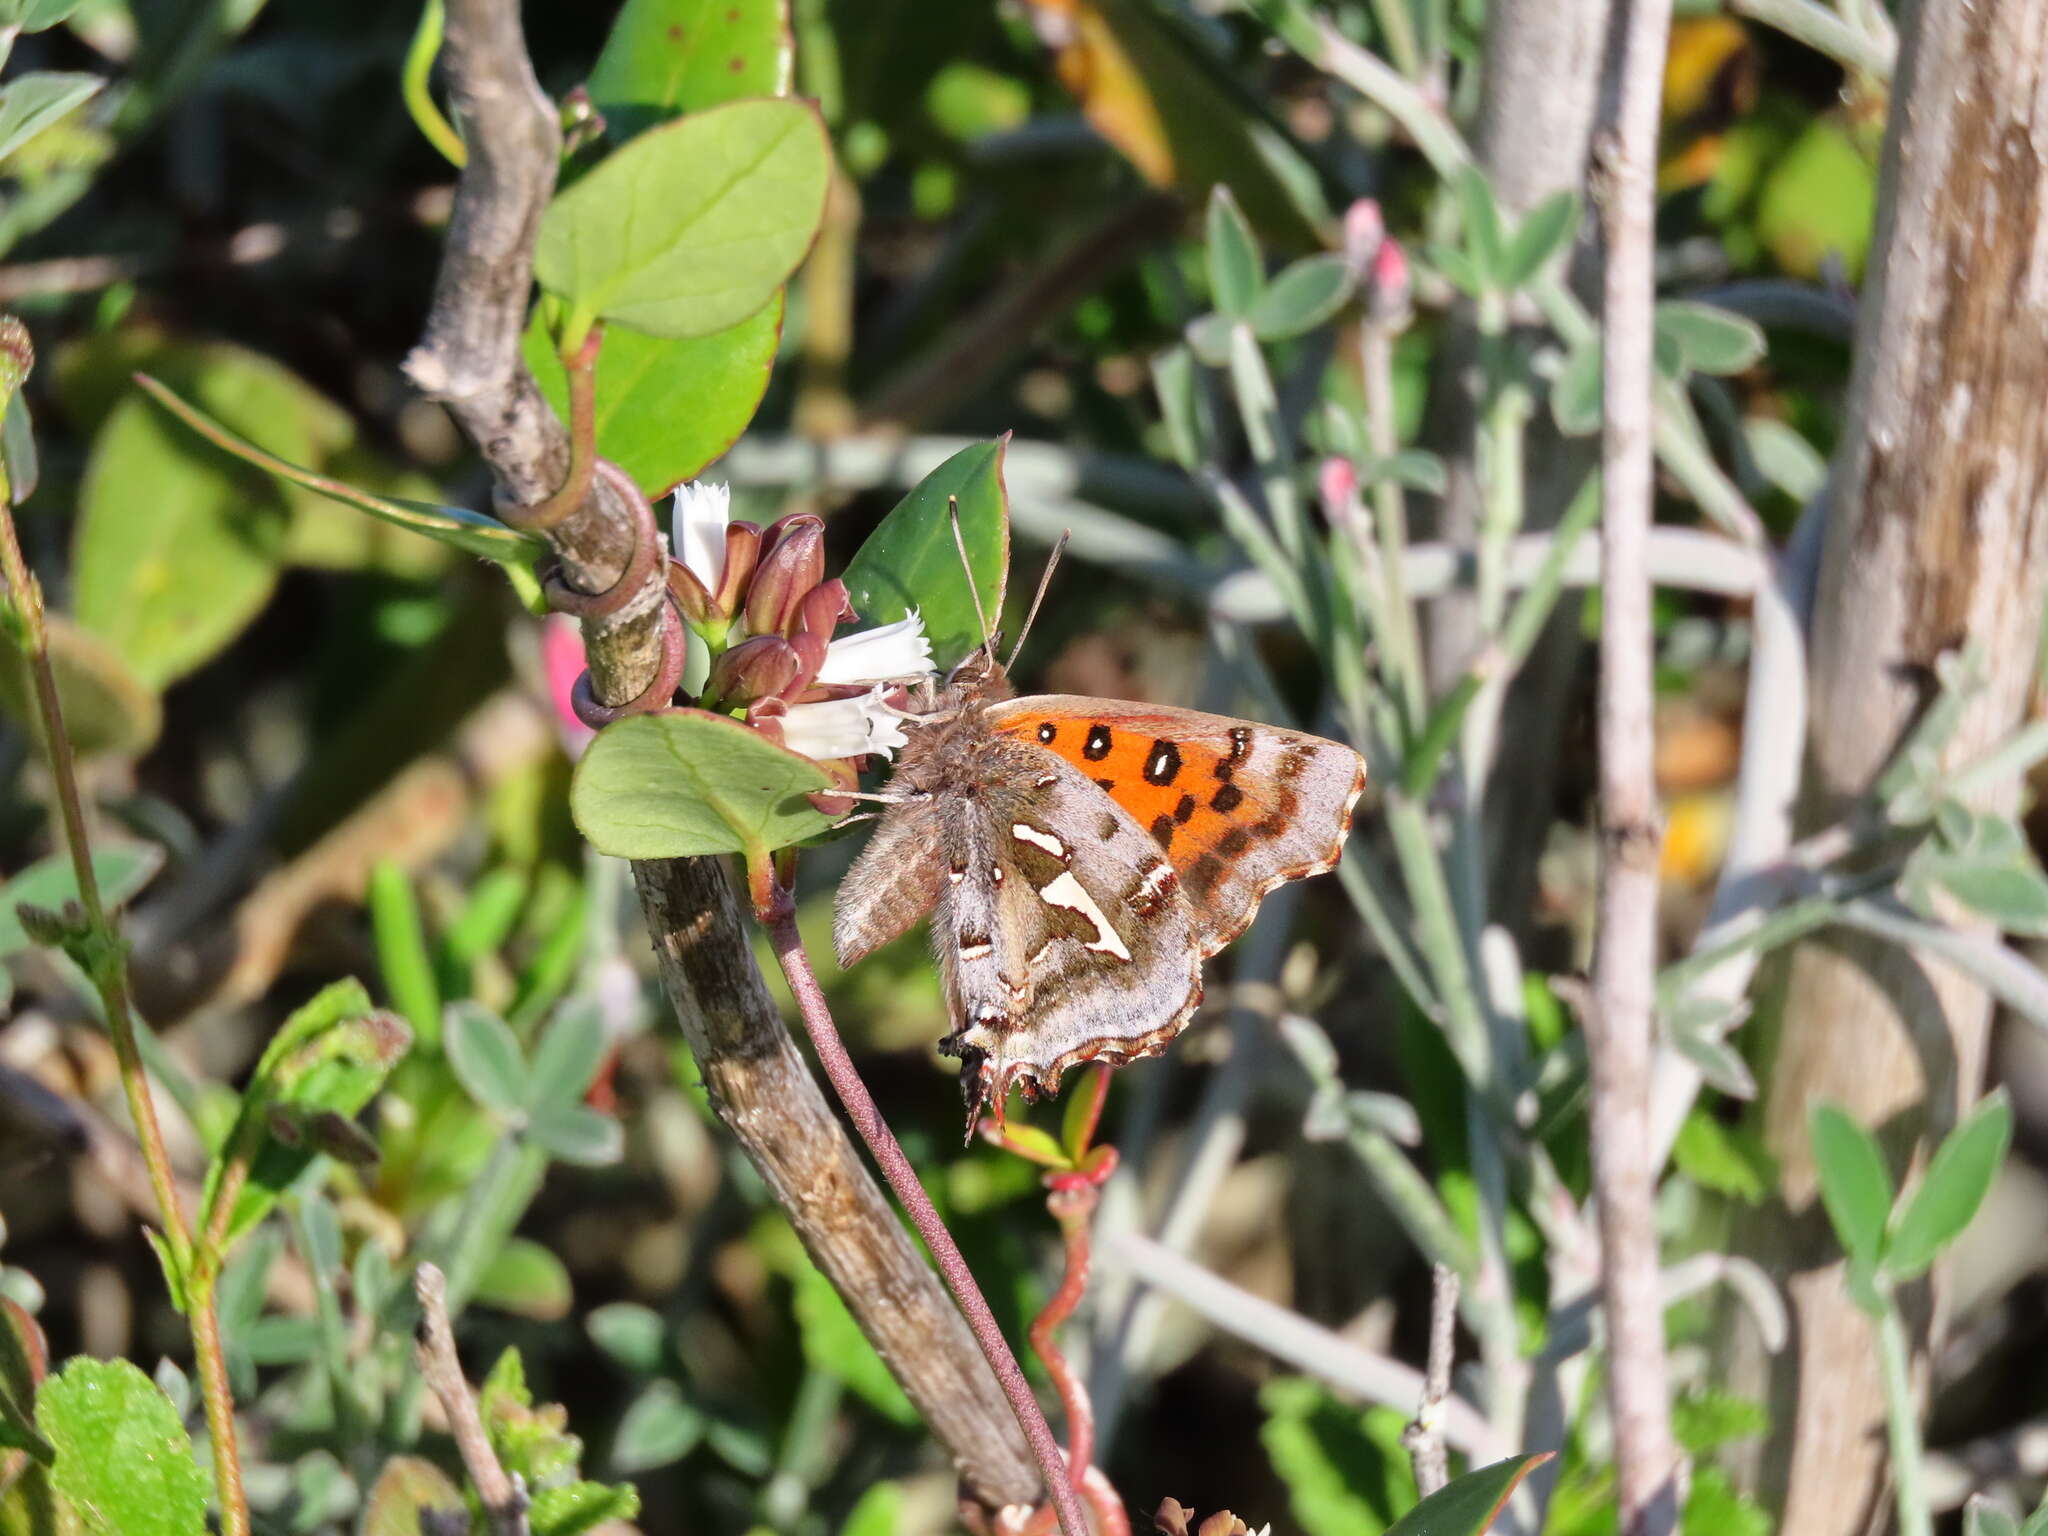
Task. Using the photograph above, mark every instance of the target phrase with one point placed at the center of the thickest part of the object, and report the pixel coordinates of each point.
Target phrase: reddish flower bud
(1337, 483)
(1365, 230)
(793, 565)
(699, 607)
(817, 616)
(1388, 291)
(742, 553)
(759, 668)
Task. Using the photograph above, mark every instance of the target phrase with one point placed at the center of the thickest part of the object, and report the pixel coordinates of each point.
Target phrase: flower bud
(742, 553)
(793, 565)
(759, 668)
(817, 616)
(698, 606)
(1336, 483)
(1388, 290)
(1365, 230)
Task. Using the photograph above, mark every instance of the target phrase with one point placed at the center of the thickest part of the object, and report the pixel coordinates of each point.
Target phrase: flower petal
(697, 529)
(875, 655)
(844, 727)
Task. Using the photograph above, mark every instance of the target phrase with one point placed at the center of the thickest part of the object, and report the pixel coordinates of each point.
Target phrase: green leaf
(1706, 1423)
(1853, 1182)
(402, 951)
(407, 1488)
(1575, 394)
(685, 782)
(1958, 1178)
(667, 57)
(121, 869)
(1547, 232)
(322, 1066)
(575, 1507)
(1983, 861)
(31, 103)
(1458, 268)
(1710, 340)
(692, 226)
(667, 408)
(177, 547)
(1302, 297)
(527, 1280)
(2036, 1523)
(631, 1334)
(124, 1462)
(834, 1344)
(1981, 1517)
(1466, 1506)
(486, 1057)
(569, 1053)
(457, 527)
(1485, 241)
(18, 449)
(1344, 1468)
(1208, 338)
(659, 1427)
(1182, 407)
(1416, 468)
(578, 1134)
(35, 15)
(1785, 457)
(1728, 1161)
(910, 560)
(1235, 275)
(880, 1512)
(106, 707)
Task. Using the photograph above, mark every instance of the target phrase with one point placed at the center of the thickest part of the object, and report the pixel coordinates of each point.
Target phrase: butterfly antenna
(988, 638)
(1044, 581)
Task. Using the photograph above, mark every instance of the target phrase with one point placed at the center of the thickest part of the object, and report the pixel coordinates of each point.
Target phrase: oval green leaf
(106, 707)
(666, 408)
(576, 1133)
(31, 103)
(527, 1280)
(1958, 1178)
(124, 1462)
(910, 560)
(1854, 1185)
(686, 782)
(1234, 269)
(1709, 340)
(657, 1428)
(1302, 297)
(1468, 1505)
(667, 57)
(486, 1057)
(121, 869)
(692, 226)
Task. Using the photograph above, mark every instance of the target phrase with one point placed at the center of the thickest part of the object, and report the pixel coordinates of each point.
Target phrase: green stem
(1905, 1425)
(419, 100)
(1399, 637)
(1259, 407)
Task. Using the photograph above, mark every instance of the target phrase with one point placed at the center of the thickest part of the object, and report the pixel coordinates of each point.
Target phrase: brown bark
(1938, 538)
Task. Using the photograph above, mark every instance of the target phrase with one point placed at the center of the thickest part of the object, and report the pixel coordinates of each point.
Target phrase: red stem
(780, 921)
(1072, 1208)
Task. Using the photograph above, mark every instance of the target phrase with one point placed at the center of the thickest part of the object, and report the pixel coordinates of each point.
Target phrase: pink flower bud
(1365, 230)
(699, 606)
(817, 616)
(1337, 483)
(793, 565)
(754, 669)
(1388, 292)
(561, 655)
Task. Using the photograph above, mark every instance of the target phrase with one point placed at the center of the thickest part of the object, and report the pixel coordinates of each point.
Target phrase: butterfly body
(1081, 857)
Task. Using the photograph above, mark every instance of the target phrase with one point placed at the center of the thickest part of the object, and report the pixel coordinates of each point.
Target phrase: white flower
(844, 727)
(697, 529)
(876, 655)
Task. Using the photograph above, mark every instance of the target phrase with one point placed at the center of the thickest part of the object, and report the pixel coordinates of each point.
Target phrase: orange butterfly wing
(1238, 808)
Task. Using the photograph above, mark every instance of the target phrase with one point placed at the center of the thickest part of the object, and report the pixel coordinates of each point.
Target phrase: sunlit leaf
(123, 1462)
(684, 783)
(911, 561)
(666, 408)
(663, 58)
(1949, 1195)
(31, 103)
(486, 1057)
(692, 226)
(1301, 297)
(1710, 340)
(1854, 1185)
(1466, 1506)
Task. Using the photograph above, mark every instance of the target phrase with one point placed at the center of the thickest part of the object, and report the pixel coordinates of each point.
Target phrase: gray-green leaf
(1302, 297)
(32, 103)
(1710, 340)
(121, 869)
(1234, 270)
(486, 1057)
(658, 1428)
(692, 226)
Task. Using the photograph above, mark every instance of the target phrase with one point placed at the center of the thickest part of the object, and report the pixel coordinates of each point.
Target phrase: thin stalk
(413, 85)
(1399, 636)
(1397, 27)
(1073, 1207)
(109, 972)
(579, 360)
(888, 1154)
(1258, 407)
(1908, 1487)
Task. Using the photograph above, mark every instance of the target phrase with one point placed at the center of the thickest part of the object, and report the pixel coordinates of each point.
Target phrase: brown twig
(888, 1153)
(1424, 1435)
(503, 1499)
(1625, 959)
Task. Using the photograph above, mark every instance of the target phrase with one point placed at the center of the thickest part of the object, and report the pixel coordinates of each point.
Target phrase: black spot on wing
(1162, 763)
(1047, 732)
(1105, 783)
(1109, 826)
(1097, 746)
(1233, 842)
(1228, 797)
(1185, 809)
(1162, 830)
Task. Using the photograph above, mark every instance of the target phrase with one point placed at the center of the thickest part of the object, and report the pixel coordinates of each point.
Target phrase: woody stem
(779, 917)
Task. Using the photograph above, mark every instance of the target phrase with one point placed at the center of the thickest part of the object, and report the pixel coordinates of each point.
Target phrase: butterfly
(1082, 857)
